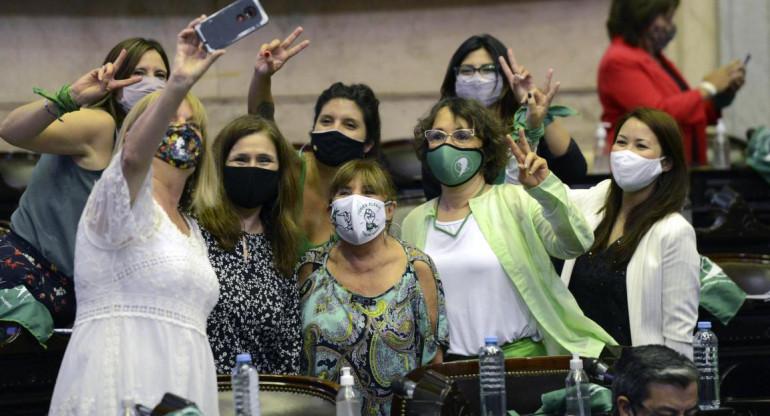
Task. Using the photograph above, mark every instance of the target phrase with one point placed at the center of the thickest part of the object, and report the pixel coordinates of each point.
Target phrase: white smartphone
(231, 24)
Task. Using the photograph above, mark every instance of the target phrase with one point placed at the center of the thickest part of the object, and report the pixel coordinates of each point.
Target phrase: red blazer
(629, 77)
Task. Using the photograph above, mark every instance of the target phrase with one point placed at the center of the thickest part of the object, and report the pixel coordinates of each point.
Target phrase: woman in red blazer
(634, 73)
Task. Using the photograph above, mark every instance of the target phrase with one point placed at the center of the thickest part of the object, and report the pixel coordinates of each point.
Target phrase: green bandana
(453, 166)
(534, 135)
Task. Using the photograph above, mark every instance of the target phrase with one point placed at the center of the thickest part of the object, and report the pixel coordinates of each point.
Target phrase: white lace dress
(144, 291)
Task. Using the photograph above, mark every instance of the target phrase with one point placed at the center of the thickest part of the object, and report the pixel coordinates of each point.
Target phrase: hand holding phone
(231, 24)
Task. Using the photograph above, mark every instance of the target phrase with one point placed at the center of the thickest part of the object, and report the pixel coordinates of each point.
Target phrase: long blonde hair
(201, 186)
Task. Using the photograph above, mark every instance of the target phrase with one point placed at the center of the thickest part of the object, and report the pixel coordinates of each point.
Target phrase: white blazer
(662, 278)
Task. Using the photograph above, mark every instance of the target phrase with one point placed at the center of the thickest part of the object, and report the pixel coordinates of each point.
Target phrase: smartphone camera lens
(250, 12)
(239, 18)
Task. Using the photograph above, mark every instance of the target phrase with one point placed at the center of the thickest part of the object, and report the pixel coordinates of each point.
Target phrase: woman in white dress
(144, 285)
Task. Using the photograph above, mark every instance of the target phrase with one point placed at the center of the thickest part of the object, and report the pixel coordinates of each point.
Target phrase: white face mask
(358, 219)
(131, 94)
(633, 172)
(485, 91)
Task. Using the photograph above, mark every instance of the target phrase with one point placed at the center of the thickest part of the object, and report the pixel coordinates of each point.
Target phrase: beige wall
(399, 48)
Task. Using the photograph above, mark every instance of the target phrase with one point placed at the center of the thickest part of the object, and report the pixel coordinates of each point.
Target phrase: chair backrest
(526, 379)
(751, 272)
(282, 395)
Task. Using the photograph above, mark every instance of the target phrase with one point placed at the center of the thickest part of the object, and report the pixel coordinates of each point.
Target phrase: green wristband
(63, 100)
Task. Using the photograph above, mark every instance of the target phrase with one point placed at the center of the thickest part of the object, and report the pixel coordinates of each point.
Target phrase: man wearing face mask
(635, 73)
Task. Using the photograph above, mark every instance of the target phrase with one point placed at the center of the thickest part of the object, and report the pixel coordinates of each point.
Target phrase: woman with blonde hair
(143, 281)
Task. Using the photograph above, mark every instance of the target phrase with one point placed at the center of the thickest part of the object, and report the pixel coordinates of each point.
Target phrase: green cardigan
(523, 226)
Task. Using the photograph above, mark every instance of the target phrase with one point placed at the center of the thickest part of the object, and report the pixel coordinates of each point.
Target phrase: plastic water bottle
(245, 381)
(705, 356)
(721, 147)
(492, 378)
(348, 404)
(601, 158)
(578, 396)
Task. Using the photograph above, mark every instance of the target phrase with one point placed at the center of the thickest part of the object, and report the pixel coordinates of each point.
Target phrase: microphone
(597, 369)
(403, 387)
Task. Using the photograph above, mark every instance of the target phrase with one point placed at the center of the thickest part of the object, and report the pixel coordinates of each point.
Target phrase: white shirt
(481, 300)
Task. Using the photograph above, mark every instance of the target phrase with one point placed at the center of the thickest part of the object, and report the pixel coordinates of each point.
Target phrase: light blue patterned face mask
(453, 166)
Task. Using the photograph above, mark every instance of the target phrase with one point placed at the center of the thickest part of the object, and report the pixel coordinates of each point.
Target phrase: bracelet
(711, 88)
(62, 99)
(48, 110)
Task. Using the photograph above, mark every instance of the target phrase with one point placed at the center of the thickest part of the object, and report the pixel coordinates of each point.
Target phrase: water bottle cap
(491, 339)
(704, 325)
(347, 378)
(242, 358)
(575, 363)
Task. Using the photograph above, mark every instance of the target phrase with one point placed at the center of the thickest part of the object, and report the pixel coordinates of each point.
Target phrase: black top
(257, 311)
(599, 286)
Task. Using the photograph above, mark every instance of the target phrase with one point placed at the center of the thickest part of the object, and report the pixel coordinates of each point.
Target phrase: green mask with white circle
(453, 166)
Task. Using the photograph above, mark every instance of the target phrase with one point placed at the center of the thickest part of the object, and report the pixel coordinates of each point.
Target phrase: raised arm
(272, 56)
(34, 126)
(522, 83)
(142, 141)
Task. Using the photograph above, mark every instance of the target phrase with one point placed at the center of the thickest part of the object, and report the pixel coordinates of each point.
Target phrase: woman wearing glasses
(491, 243)
(484, 70)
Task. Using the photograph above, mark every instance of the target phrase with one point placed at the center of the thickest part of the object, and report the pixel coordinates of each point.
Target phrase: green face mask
(453, 166)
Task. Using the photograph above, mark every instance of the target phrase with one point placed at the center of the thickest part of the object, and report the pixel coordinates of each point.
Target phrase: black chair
(282, 395)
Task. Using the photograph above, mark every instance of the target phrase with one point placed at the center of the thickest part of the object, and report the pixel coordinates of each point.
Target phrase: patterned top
(381, 338)
(257, 311)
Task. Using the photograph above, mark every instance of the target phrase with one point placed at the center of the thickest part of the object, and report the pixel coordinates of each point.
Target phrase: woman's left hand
(533, 169)
(192, 59)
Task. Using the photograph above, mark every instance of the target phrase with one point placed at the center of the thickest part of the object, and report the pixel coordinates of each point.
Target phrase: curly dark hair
(364, 98)
(485, 124)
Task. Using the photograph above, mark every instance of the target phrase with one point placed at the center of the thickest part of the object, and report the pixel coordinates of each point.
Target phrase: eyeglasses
(459, 136)
(487, 71)
(669, 412)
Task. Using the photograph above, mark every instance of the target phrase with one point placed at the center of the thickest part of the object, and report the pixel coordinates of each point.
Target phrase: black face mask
(250, 187)
(333, 148)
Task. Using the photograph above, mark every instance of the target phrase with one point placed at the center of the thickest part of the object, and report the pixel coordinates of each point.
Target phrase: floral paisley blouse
(257, 311)
(381, 338)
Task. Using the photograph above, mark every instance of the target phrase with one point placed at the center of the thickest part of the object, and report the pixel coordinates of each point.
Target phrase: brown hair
(280, 216)
(485, 124)
(371, 174)
(135, 49)
(631, 18)
(668, 195)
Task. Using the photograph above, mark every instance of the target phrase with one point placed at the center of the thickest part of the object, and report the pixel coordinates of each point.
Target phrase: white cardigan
(662, 279)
